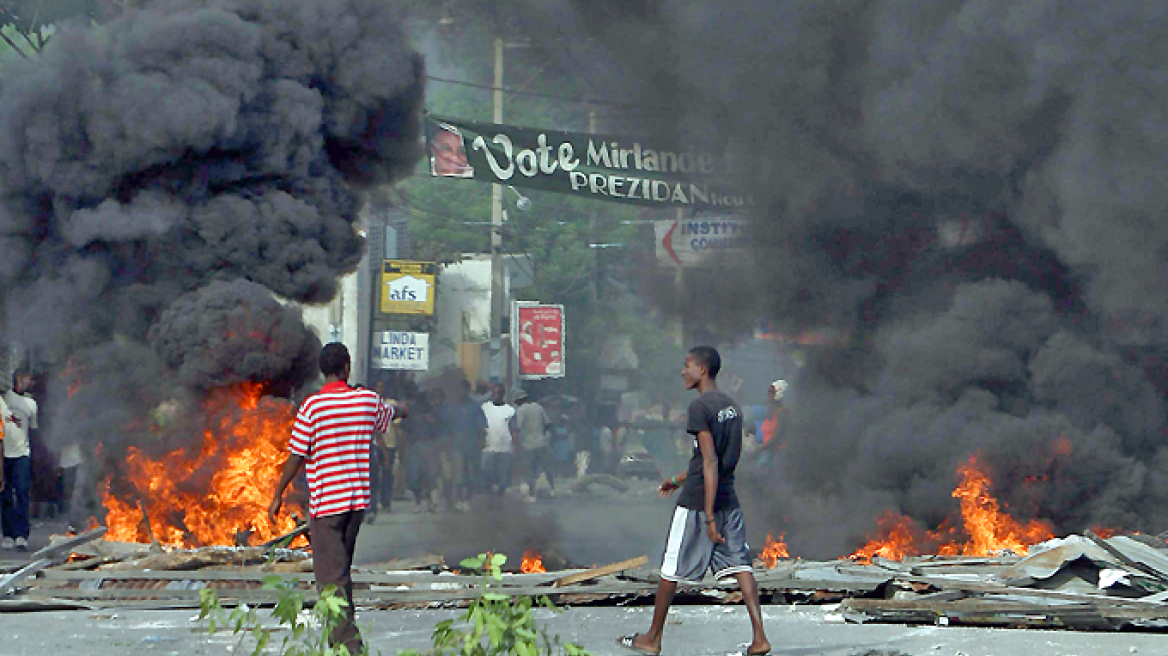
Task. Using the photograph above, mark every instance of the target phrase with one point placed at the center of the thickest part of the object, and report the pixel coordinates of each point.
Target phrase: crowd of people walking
(455, 446)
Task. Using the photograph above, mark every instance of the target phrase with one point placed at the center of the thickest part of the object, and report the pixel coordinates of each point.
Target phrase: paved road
(692, 631)
(582, 529)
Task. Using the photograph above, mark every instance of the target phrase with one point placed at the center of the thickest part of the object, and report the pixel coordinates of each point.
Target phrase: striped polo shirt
(333, 431)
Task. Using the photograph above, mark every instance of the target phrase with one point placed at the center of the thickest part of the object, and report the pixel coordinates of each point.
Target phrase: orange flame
(991, 530)
(532, 563)
(901, 536)
(217, 496)
(773, 550)
(988, 527)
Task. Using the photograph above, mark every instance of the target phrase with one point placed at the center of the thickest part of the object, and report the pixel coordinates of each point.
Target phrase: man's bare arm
(291, 468)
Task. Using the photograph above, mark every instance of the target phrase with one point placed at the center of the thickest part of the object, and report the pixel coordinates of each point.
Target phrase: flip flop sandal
(758, 653)
(628, 643)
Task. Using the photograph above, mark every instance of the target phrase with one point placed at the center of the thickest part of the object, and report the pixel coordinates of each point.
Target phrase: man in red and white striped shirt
(331, 438)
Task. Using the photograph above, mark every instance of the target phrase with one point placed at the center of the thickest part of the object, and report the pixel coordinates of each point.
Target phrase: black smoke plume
(231, 332)
(163, 174)
(974, 192)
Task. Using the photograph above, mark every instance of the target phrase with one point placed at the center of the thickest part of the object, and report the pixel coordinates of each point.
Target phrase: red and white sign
(539, 340)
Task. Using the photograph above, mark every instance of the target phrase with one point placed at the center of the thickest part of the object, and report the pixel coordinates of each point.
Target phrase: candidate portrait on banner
(448, 153)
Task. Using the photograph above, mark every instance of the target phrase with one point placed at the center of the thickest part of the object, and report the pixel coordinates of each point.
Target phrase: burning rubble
(212, 493)
(532, 563)
(985, 528)
(162, 177)
(773, 550)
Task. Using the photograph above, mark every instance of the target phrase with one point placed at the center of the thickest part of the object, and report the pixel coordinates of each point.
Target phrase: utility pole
(498, 304)
(679, 294)
(592, 227)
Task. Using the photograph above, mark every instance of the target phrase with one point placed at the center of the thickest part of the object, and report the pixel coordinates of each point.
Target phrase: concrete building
(460, 328)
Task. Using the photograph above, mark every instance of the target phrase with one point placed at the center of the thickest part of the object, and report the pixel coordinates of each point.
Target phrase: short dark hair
(334, 358)
(708, 357)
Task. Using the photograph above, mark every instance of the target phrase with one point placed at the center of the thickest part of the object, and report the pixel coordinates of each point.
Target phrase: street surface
(692, 631)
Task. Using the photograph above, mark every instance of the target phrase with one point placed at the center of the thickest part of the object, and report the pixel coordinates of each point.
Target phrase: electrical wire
(550, 96)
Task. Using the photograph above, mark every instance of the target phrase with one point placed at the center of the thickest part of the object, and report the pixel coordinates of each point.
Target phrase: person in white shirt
(19, 420)
(498, 455)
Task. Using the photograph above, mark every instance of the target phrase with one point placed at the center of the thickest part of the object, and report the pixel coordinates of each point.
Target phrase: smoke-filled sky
(162, 173)
(976, 192)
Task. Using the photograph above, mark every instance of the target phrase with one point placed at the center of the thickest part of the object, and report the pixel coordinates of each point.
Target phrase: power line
(536, 94)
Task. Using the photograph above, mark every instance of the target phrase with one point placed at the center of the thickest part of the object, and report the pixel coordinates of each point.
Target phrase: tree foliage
(561, 233)
(26, 26)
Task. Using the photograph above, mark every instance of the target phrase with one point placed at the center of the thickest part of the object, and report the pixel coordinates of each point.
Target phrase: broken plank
(249, 574)
(25, 604)
(360, 595)
(284, 540)
(417, 562)
(87, 563)
(65, 546)
(982, 612)
(9, 581)
(598, 572)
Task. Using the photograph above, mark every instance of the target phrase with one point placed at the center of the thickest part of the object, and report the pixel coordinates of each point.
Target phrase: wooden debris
(67, 545)
(598, 572)
(289, 567)
(193, 560)
(155, 545)
(1000, 613)
(995, 591)
(418, 562)
(85, 563)
(284, 540)
(10, 580)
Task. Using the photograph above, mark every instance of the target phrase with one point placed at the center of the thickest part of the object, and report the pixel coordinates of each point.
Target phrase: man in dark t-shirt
(707, 531)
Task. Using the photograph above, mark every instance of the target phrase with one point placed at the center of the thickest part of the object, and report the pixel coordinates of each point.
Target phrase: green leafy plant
(306, 637)
(496, 623)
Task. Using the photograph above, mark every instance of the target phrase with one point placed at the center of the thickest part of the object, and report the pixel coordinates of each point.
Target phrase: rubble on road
(1078, 582)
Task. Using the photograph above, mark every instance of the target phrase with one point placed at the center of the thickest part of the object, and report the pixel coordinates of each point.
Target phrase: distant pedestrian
(498, 454)
(331, 437)
(464, 426)
(532, 424)
(423, 450)
(20, 419)
(707, 531)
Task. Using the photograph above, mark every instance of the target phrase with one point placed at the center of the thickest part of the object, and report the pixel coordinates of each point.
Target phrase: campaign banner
(404, 351)
(604, 167)
(407, 287)
(539, 340)
(693, 242)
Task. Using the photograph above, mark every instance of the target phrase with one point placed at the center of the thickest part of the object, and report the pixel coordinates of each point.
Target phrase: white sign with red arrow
(692, 242)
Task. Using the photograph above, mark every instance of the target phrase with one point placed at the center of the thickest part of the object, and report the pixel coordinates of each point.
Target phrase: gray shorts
(689, 552)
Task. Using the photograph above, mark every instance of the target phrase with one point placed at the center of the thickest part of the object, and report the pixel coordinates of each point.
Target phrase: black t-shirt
(719, 414)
